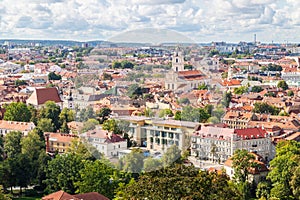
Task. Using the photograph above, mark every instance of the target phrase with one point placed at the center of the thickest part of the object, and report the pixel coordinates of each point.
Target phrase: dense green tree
(54, 76)
(116, 65)
(148, 112)
(284, 168)
(295, 182)
(82, 149)
(282, 84)
(51, 111)
(240, 90)
(23, 172)
(1, 147)
(134, 90)
(203, 86)
(42, 161)
(194, 114)
(45, 125)
(20, 82)
(165, 113)
(209, 108)
(256, 89)
(104, 114)
(63, 172)
(263, 190)
(90, 124)
(226, 99)
(66, 116)
(2, 195)
(290, 93)
(17, 111)
(110, 125)
(242, 160)
(96, 176)
(32, 145)
(127, 65)
(134, 161)
(184, 101)
(152, 164)
(171, 156)
(265, 108)
(12, 145)
(34, 114)
(270, 94)
(179, 182)
(177, 115)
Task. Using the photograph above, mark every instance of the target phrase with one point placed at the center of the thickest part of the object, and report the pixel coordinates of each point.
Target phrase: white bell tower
(177, 61)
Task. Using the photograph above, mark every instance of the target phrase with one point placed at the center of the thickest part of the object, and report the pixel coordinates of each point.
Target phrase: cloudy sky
(200, 20)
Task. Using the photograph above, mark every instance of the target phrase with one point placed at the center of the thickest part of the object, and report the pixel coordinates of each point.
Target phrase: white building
(218, 144)
(8, 126)
(158, 134)
(107, 143)
(181, 80)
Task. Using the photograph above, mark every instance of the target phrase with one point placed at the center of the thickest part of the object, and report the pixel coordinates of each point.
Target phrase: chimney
(47, 142)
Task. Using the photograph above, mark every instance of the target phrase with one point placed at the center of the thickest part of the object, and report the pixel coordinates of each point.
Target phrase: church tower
(177, 61)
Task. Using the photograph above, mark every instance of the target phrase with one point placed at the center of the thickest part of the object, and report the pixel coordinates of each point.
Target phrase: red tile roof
(251, 133)
(41, 95)
(60, 195)
(60, 137)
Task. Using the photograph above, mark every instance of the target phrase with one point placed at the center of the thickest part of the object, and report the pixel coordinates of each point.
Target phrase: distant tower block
(177, 61)
(254, 39)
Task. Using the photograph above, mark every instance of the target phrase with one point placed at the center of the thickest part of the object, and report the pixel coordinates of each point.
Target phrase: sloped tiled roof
(41, 95)
(60, 195)
(251, 133)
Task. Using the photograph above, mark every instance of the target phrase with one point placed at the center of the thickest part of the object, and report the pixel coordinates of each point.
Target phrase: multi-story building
(180, 79)
(238, 119)
(8, 126)
(158, 134)
(58, 142)
(218, 144)
(107, 143)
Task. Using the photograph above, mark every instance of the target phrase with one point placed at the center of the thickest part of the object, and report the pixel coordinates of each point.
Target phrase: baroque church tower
(177, 61)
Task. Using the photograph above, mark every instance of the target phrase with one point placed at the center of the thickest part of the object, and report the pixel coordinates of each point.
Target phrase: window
(171, 135)
(119, 146)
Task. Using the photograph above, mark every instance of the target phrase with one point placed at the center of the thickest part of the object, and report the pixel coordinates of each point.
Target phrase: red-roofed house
(61, 195)
(255, 173)
(8, 126)
(41, 95)
(58, 142)
(225, 141)
(108, 143)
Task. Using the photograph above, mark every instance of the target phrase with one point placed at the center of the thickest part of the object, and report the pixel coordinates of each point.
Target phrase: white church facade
(182, 80)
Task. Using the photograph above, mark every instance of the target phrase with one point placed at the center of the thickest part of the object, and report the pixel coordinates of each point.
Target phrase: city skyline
(200, 21)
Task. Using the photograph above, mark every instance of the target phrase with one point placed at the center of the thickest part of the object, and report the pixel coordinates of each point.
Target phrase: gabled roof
(41, 95)
(60, 195)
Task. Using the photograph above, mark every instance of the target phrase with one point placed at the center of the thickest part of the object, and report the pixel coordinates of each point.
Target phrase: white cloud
(203, 20)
